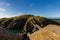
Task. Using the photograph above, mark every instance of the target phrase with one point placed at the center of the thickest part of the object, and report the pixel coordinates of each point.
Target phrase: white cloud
(4, 4)
(1, 3)
(2, 9)
(20, 13)
(31, 5)
(6, 15)
(8, 4)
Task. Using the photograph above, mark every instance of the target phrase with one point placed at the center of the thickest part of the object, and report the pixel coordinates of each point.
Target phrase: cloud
(20, 13)
(2, 9)
(1, 3)
(6, 15)
(5, 4)
(31, 4)
(8, 4)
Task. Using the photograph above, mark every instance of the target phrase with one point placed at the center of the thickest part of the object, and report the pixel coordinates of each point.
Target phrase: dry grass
(53, 28)
(45, 34)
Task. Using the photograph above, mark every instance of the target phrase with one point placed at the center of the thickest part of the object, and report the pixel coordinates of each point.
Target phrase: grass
(57, 20)
(15, 31)
(44, 35)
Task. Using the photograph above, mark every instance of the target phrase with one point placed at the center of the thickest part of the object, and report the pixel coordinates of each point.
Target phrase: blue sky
(46, 8)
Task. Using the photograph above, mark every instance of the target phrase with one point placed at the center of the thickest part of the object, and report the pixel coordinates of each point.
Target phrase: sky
(45, 8)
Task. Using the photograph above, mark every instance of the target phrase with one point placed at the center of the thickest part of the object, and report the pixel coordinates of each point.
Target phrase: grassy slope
(30, 24)
(25, 23)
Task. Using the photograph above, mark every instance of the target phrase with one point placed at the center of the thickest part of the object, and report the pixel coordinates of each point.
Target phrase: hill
(24, 24)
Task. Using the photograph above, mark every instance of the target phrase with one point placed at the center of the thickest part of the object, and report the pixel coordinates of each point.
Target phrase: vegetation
(18, 27)
(25, 23)
(57, 20)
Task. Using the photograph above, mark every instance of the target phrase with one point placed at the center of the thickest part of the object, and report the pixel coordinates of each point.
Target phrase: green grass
(57, 20)
(15, 31)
